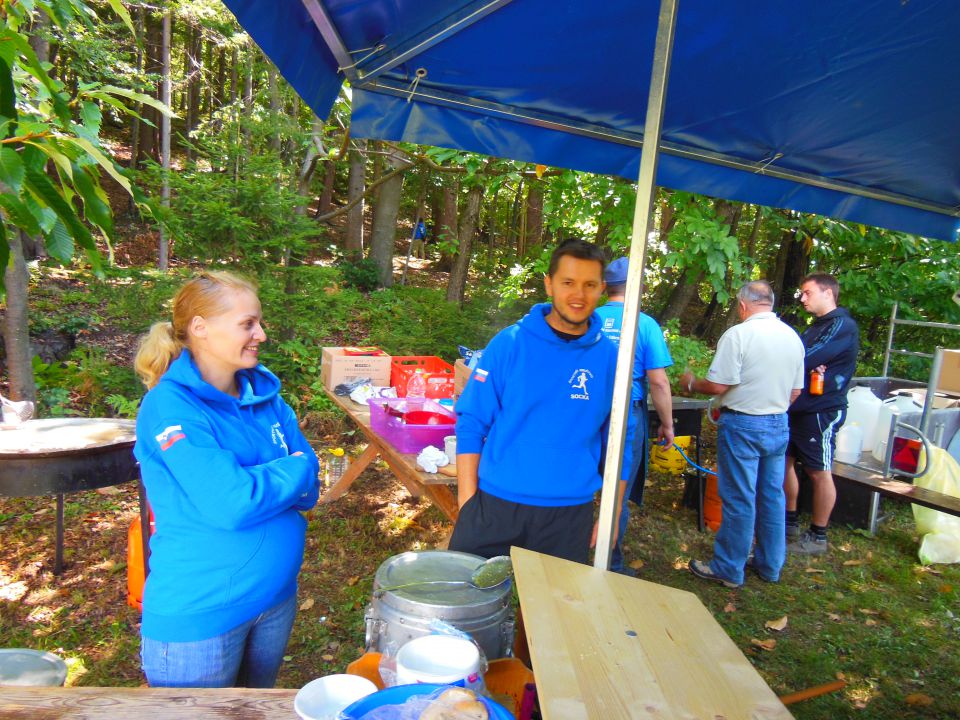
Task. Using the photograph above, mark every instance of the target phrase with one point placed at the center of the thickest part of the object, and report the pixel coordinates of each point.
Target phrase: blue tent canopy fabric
(846, 109)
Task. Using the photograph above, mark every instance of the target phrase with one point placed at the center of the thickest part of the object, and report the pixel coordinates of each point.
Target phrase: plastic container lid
(33, 668)
(399, 694)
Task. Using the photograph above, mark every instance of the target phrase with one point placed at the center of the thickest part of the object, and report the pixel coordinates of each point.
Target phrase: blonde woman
(227, 471)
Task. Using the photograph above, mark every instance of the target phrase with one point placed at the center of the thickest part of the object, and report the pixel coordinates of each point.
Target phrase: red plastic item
(712, 508)
(135, 578)
(438, 374)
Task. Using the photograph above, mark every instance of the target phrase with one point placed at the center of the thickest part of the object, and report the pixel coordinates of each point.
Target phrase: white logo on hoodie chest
(276, 434)
(578, 383)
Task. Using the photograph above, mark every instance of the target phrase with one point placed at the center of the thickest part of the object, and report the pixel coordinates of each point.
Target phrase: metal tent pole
(642, 215)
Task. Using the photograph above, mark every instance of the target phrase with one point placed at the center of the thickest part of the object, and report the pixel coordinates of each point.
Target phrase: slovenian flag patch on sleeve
(480, 375)
(170, 436)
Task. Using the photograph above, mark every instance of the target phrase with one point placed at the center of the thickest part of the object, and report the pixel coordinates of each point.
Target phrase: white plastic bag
(941, 532)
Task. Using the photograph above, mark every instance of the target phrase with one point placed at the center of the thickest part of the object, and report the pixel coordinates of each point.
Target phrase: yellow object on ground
(668, 459)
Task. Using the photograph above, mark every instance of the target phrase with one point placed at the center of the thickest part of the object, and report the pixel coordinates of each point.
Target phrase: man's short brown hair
(824, 281)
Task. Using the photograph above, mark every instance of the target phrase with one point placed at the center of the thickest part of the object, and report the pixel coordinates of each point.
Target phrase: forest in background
(256, 181)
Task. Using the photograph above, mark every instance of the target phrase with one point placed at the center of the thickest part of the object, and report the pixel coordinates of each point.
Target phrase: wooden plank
(108, 703)
(897, 489)
(608, 646)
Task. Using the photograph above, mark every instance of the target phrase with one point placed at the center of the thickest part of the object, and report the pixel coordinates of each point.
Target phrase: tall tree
(456, 286)
(385, 213)
(356, 186)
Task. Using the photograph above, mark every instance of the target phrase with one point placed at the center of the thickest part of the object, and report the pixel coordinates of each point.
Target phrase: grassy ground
(868, 613)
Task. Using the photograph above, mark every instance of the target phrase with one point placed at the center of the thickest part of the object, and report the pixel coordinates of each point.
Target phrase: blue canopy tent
(847, 109)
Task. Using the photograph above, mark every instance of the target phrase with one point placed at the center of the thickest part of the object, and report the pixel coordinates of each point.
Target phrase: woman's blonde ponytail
(157, 350)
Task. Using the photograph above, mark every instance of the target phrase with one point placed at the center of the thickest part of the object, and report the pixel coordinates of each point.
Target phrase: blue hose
(692, 463)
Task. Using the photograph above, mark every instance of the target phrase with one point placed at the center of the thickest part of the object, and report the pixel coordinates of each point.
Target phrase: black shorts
(488, 526)
(813, 437)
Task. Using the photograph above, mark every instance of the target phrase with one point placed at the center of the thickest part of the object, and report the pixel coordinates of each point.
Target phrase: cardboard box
(461, 373)
(950, 372)
(337, 368)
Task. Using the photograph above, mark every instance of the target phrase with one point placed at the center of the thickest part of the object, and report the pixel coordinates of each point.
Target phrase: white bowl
(325, 697)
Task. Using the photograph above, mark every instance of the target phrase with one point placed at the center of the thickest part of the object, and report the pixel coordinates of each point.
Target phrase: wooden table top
(109, 703)
(608, 646)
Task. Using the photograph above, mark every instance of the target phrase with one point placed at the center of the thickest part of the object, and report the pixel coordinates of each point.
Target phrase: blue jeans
(247, 656)
(750, 460)
(637, 470)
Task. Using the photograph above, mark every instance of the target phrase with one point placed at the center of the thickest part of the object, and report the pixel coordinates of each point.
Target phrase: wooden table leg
(413, 486)
(443, 498)
(352, 473)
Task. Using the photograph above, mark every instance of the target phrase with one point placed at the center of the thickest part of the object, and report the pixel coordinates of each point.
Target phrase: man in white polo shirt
(756, 373)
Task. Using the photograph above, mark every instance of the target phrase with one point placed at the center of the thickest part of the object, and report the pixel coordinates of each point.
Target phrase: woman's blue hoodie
(225, 489)
(537, 409)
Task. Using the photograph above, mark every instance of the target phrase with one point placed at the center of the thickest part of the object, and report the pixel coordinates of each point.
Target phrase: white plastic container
(450, 448)
(863, 407)
(849, 443)
(325, 697)
(440, 659)
(888, 410)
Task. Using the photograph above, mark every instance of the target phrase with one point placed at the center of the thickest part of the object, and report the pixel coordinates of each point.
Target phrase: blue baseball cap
(616, 272)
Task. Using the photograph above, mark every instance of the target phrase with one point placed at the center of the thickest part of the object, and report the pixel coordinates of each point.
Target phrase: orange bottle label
(816, 382)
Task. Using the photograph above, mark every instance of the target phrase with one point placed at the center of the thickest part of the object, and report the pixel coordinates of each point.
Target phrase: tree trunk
(683, 292)
(457, 284)
(149, 135)
(208, 79)
(135, 121)
(386, 209)
(325, 203)
(275, 108)
(16, 325)
(356, 186)
(533, 216)
(234, 75)
(446, 233)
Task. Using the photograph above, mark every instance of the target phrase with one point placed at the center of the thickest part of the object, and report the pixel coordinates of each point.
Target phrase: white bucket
(450, 447)
(439, 659)
(849, 443)
(888, 410)
(325, 697)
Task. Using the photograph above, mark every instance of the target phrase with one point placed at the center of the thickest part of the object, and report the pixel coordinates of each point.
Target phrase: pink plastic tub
(406, 437)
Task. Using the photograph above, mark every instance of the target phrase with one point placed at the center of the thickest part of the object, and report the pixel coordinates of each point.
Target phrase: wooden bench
(874, 481)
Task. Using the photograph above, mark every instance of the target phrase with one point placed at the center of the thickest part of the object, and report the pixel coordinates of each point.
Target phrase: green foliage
(40, 128)
(361, 274)
(82, 384)
(687, 353)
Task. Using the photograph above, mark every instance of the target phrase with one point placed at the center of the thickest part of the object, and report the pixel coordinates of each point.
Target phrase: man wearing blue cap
(649, 375)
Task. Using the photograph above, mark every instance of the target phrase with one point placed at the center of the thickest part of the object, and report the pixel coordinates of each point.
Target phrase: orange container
(712, 509)
(437, 373)
(135, 578)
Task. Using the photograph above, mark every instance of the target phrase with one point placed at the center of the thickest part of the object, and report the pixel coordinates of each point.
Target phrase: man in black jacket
(831, 342)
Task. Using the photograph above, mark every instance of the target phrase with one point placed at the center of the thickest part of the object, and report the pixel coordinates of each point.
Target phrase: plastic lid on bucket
(35, 668)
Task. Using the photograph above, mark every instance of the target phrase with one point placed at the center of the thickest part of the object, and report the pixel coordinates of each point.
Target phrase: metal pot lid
(34, 668)
(59, 435)
(410, 567)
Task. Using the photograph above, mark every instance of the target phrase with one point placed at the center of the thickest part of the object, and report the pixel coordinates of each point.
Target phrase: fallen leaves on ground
(307, 604)
(868, 611)
(919, 699)
(776, 625)
(353, 580)
(729, 608)
(636, 564)
(814, 570)
(680, 564)
(767, 645)
(851, 563)
(834, 617)
(869, 622)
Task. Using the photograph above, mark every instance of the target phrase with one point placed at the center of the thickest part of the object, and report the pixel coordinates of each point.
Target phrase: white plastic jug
(863, 407)
(888, 409)
(849, 443)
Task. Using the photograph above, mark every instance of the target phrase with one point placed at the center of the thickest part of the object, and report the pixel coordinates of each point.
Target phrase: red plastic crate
(409, 438)
(437, 373)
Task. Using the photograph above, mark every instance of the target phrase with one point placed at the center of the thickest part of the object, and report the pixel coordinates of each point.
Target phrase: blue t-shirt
(652, 352)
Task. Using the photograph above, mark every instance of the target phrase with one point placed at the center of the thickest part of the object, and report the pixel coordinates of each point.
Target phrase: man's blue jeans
(637, 469)
(750, 460)
(247, 656)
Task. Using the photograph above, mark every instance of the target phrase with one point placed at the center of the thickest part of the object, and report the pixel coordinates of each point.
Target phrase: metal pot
(397, 616)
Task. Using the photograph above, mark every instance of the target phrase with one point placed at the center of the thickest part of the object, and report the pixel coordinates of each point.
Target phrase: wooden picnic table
(605, 645)
(403, 465)
(115, 703)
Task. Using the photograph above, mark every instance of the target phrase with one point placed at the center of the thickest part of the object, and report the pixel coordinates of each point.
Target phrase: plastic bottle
(816, 382)
(416, 386)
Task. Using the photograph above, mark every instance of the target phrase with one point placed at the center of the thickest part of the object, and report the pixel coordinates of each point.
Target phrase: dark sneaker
(793, 532)
(626, 570)
(751, 565)
(702, 570)
(808, 544)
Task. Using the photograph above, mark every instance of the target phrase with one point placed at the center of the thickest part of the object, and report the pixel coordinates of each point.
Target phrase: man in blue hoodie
(831, 344)
(532, 423)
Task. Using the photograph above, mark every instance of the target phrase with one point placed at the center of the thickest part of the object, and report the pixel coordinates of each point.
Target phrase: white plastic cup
(439, 659)
(325, 697)
(450, 447)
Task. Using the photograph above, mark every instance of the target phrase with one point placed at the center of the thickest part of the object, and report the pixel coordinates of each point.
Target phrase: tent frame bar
(426, 39)
(388, 86)
(331, 36)
(642, 224)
